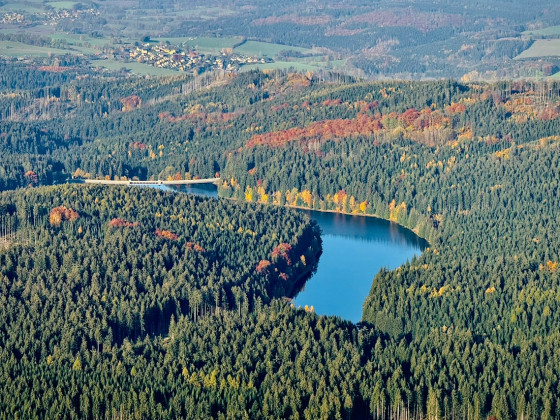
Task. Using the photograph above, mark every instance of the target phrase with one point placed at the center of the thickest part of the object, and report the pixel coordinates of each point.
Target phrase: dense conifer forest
(137, 303)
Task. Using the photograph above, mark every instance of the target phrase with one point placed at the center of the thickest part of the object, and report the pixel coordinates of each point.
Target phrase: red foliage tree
(32, 176)
(130, 102)
(409, 116)
(195, 247)
(283, 251)
(117, 223)
(332, 102)
(166, 234)
(323, 130)
(455, 108)
(283, 276)
(138, 146)
(262, 266)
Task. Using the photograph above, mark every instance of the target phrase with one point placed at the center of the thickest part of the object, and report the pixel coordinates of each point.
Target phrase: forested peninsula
(134, 303)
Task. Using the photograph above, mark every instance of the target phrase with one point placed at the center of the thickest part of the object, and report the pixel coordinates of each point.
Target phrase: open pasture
(18, 49)
(541, 48)
(548, 31)
(266, 49)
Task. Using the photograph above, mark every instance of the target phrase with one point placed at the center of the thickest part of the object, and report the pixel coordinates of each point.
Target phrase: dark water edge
(355, 248)
(203, 190)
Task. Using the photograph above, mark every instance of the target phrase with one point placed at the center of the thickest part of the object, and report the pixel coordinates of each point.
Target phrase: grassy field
(215, 45)
(204, 13)
(76, 42)
(136, 68)
(337, 64)
(265, 49)
(17, 49)
(24, 6)
(58, 5)
(207, 45)
(260, 49)
(36, 6)
(541, 48)
(75, 45)
(282, 65)
(550, 31)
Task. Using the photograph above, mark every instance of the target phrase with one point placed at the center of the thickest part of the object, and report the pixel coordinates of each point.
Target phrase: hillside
(139, 303)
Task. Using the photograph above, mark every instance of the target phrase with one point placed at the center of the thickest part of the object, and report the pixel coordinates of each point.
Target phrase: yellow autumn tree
(363, 206)
(55, 218)
(248, 193)
(396, 211)
(263, 196)
(306, 197)
(352, 204)
(77, 364)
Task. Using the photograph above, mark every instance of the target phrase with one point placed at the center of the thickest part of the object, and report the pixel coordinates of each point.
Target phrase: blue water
(204, 190)
(355, 248)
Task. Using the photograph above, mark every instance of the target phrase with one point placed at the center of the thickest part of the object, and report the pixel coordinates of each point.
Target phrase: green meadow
(18, 49)
(265, 49)
(137, 68)
(22, 6)
(58, 5)
(541, 48)
(549, 31)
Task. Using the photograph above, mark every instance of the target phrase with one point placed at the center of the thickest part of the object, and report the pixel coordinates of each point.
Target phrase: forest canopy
(142, 303)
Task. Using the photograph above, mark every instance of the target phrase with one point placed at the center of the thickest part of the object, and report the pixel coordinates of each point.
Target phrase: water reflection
(355, 248)
(205, 190)
(365, 229)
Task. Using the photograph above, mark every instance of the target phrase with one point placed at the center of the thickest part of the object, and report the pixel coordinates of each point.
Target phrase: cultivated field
(17, 49)
(23, 6)
(265, 49)
(202, 12)
(137, 68)
(80, 39)
(278, 65)
(541, 48)
(62, 4)
(549, 31)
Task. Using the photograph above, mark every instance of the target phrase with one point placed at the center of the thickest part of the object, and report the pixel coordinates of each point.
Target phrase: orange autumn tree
(262, 266)
(130, 102)
(32, 176)
(60, 214)
(116, 223)
(307, 197)
(195, 247)
(166, 234)
(341, 200)
(325, 130)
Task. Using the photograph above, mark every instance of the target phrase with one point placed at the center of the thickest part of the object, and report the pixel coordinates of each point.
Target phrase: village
(12, 18)
(51, 17)
(165, 56)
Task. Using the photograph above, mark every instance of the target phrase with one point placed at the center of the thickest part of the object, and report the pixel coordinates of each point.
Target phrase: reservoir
(355, 248)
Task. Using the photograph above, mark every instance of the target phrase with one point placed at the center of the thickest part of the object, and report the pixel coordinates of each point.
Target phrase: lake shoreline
(374, 216)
